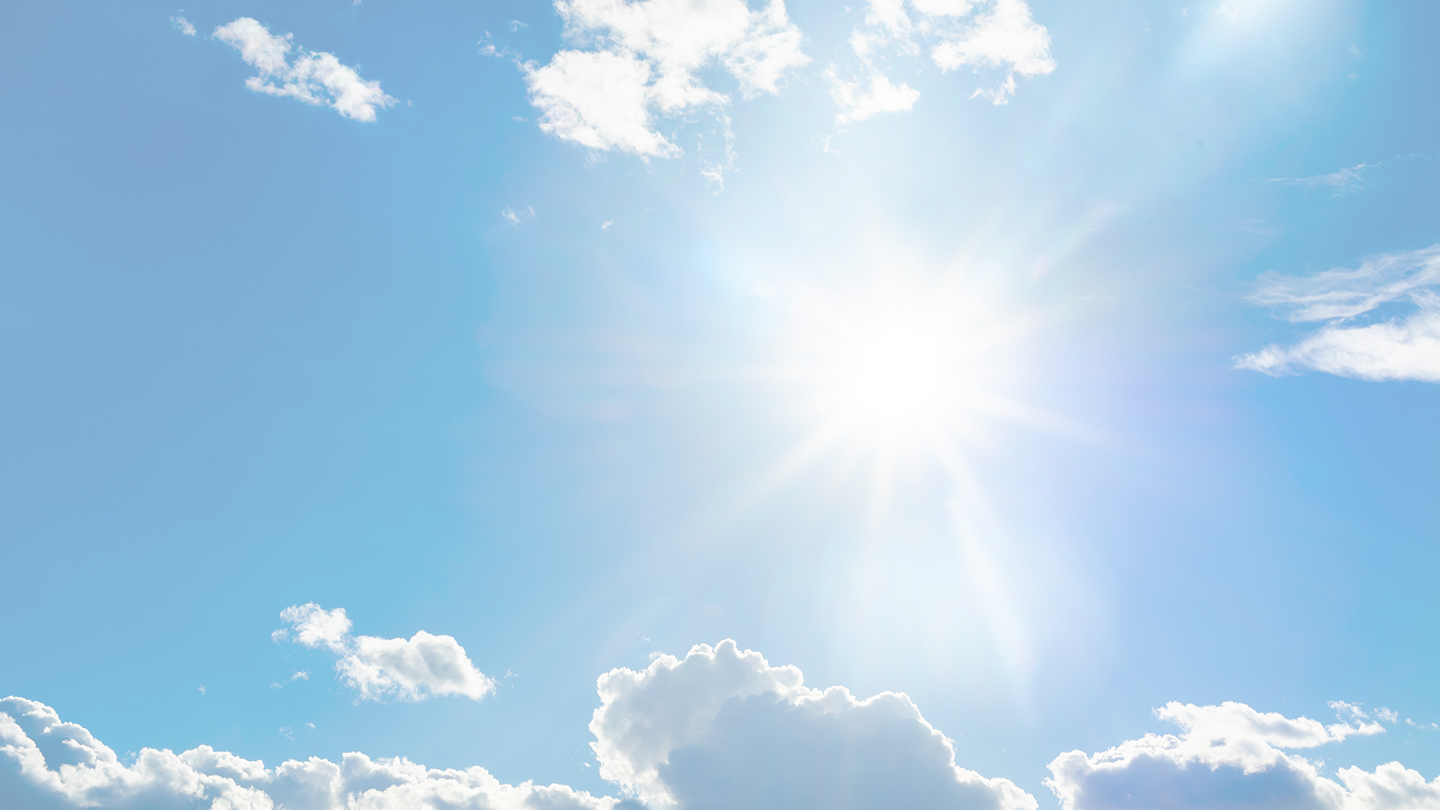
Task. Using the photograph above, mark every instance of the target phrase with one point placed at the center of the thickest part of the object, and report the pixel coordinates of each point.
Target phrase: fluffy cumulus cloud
(724, 729)
(48, 764)
(412, 669)
(1404, 346)
(1232, 756)
(719, 729)
(981, 35)
(643, 60)
(860, 101)
(310, 76)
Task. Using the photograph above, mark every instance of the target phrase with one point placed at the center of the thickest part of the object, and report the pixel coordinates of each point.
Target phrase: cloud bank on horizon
(723, 729)
(411, 670)
(1405, 346)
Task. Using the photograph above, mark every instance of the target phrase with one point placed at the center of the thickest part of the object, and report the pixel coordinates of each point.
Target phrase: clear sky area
(720, 405)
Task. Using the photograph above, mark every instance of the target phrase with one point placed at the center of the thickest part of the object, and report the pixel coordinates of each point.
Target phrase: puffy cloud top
(721, 729)
(724, 729)
(52, 765)
(1232, 756)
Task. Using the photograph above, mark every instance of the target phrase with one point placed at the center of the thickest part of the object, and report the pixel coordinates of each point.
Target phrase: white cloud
(1387, 715)
(646, 59)
(720, 729)
(314, 626)
(1005, 36)
(513, 217)
(857, 103)
(1401, 349)
(1343, 181)
(183, 25)
(1343, 294)
(413, 669)
(50, 764)
(1404, 347)
(313, 77)
(978, 34)
(1232, 756)
(724, 729)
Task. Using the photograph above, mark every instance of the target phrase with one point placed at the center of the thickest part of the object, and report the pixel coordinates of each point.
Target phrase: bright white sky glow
(720, 405)
(901, 372)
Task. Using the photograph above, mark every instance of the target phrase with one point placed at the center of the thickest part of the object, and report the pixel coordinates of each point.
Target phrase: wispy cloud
(183, 25)
(1344, 181)
(513, 217)
(312, 77)
(1405, 346)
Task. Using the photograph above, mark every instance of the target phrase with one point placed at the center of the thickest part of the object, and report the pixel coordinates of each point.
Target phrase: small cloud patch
(310, 76)
(414, 669)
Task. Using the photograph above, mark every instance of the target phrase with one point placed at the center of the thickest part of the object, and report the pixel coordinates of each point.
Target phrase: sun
(904, 379)
(892, 373)
(899, 371)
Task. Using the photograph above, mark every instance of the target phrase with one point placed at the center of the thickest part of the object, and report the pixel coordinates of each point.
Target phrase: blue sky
(1054, 373)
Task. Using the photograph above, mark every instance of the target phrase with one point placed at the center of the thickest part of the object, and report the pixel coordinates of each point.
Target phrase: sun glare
(896, 372)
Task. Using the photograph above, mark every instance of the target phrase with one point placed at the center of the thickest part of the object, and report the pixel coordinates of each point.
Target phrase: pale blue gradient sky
(255, 354)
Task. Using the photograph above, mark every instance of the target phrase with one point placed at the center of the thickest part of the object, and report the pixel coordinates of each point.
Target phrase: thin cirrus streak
(1343, 181)
(1405, 346)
